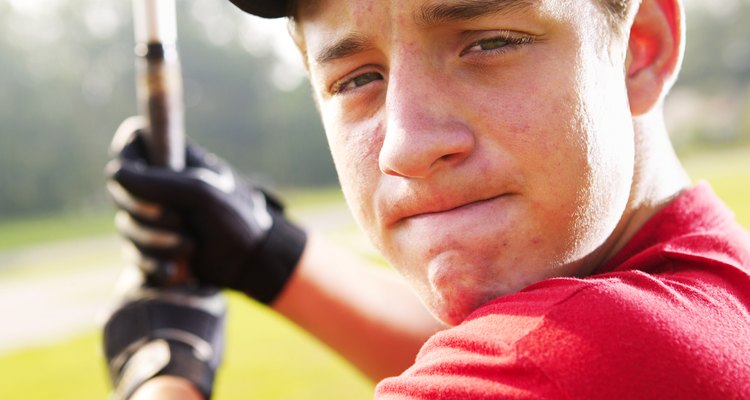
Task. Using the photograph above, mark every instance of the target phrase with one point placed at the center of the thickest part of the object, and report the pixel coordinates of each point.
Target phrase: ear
(655, 51)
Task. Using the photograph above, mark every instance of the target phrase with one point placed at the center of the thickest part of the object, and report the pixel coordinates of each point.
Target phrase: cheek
(354, 149)
(547, 135)
(595, 159)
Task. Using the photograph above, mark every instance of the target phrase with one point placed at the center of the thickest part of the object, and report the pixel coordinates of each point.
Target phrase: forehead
(363, 8)
(321, 23)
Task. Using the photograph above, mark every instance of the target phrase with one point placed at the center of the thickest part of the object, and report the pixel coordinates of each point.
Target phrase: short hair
(618, 12)
(617, 8)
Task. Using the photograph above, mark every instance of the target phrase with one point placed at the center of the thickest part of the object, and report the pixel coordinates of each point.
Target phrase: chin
(451, 317)
(453, 308)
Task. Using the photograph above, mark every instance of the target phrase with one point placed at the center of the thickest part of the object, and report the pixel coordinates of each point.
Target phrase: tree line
(62, 97)
(67, 80)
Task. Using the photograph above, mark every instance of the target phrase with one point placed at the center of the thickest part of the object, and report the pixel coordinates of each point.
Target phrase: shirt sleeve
(469, 362)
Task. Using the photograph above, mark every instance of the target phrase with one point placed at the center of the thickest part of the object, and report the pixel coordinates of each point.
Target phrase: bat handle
(160, 100)
(159, 85)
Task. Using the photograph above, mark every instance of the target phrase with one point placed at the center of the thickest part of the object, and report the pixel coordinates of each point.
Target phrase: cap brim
(263, 8)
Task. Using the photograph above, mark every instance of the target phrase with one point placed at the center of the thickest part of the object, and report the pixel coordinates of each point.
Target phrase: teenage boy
(509, 158)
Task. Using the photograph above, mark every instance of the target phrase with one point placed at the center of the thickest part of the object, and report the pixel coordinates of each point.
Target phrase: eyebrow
(349, 45)
(465, 10)
(428, 15)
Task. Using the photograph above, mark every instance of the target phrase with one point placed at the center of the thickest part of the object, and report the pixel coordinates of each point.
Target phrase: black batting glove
(231, 233)
(171, 332)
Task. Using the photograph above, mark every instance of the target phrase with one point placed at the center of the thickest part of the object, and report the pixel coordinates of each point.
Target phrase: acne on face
(475, 172)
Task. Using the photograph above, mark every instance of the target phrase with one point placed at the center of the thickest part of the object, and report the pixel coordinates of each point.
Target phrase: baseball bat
(160, 101)
(159, 81)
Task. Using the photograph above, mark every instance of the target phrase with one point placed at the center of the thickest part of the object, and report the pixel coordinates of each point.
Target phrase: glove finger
(130, 148)
(195, 155)
(155, 240)
(135, 150)
(129, 144)
(198, 157)
(147, 213)
(134, 206)
(204, 174)
(170, 189)
(161, 267)
(126, 133)
(211, 169)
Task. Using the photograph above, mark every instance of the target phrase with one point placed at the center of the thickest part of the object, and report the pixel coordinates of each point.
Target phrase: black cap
(264, 8)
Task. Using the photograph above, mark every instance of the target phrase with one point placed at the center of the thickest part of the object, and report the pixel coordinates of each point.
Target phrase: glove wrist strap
(279, 254)
(162, 358)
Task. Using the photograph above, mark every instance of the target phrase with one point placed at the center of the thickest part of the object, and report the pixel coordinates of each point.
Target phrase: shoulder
(485, 357)
(619, 334)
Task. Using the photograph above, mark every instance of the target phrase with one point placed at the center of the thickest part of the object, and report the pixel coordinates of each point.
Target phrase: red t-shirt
(667, 318)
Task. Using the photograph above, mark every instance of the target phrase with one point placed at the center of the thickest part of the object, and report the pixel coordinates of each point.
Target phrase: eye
(504, 41)
(355, 82)
(492, 44)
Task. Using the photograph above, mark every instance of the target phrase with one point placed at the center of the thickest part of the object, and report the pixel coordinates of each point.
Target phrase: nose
(424, 130)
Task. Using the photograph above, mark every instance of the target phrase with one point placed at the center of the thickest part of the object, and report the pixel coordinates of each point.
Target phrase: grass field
(728, 172)
(267, 358)
(24, 232)
(31, 231)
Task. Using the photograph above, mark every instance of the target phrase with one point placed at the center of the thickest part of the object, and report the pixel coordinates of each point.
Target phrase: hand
(165, 332)
(231, 233)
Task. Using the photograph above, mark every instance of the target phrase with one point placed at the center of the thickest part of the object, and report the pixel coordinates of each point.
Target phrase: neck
(658, 176)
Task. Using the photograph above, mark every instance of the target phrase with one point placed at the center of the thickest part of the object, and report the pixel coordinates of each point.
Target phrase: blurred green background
(66, 81)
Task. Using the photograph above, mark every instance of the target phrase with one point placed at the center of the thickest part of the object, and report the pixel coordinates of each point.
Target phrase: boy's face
(481, 145)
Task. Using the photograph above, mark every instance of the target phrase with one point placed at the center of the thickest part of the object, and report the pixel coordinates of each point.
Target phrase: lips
(432, 210)
(453, 209)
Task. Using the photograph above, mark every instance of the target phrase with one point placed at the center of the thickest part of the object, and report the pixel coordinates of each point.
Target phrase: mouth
(456, 211)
